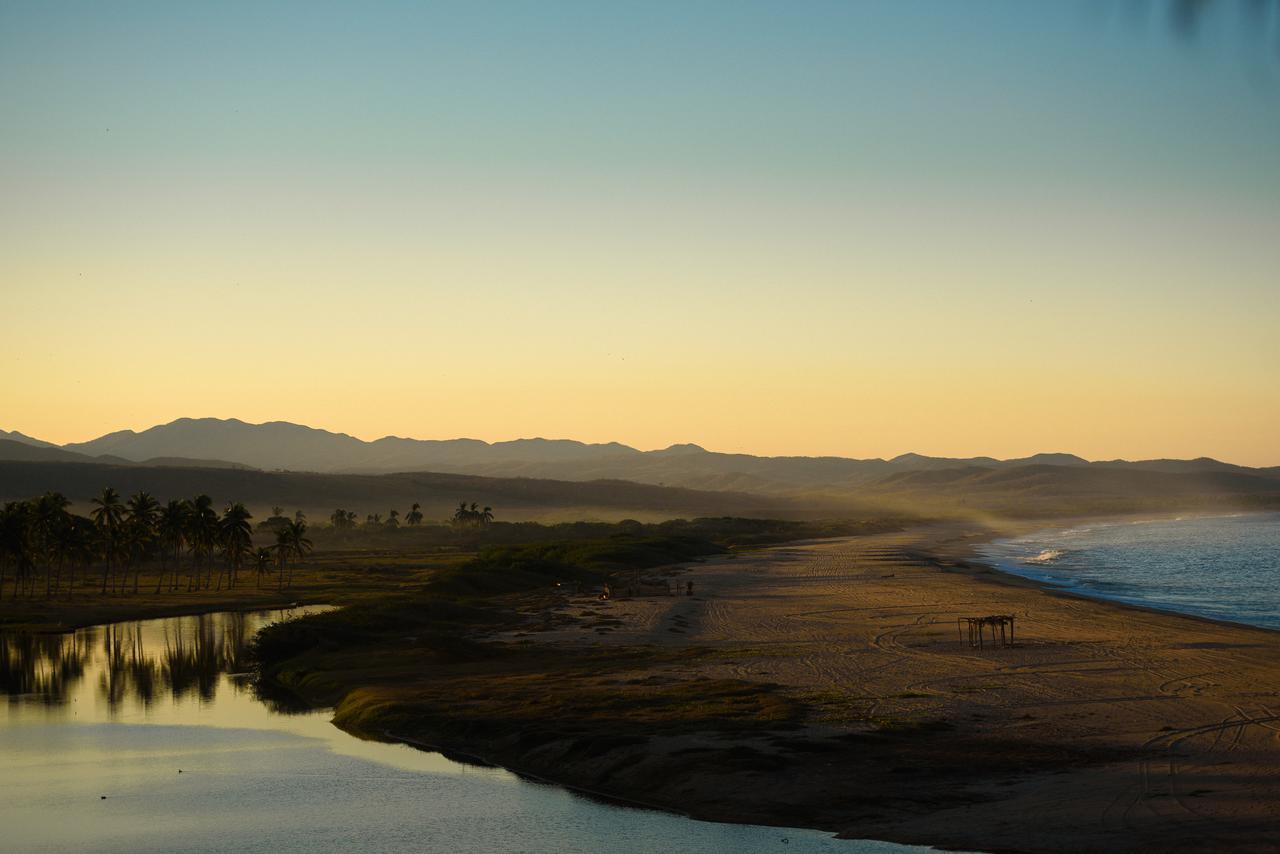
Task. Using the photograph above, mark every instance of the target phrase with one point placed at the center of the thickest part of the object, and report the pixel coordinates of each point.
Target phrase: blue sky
(716, 189)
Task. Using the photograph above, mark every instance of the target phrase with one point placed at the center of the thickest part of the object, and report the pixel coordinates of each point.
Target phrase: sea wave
(1221, 567)
(1046, 556)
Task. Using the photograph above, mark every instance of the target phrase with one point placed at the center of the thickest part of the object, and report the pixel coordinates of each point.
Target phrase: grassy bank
(369, 657)
(460, 665)
(364, 565)
(337, 578)
(444, 665)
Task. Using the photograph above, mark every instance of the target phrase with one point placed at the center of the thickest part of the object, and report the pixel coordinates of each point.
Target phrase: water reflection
(131, 666)
(42, 666)
(140, 737)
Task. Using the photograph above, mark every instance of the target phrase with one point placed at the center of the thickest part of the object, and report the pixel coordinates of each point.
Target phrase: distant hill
(1078, 480)
(1037, 489)
(319, 494)
(280, 445)
(11, 449)
(15, 436)
(45, 452)
(1016, 491)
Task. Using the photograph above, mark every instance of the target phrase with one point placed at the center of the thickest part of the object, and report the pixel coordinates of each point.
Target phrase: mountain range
(281, 445)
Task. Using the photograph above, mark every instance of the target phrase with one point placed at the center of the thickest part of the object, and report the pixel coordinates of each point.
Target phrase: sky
(778, 228)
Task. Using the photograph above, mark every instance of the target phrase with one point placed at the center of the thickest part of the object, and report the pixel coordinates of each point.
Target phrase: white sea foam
(1222, 567)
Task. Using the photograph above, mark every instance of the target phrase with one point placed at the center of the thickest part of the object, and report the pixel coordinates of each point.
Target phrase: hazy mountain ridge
(1067, 481)
(212, 442)
(542, 478)
(24, 439)
(15, 451)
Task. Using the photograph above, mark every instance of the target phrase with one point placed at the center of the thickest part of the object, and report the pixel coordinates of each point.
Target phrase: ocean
(1222, 567)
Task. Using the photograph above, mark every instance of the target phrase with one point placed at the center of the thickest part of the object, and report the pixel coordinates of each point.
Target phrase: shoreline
(137, 612)
(1019, 740)
(126, 611)
(893, 730)
(968, 554)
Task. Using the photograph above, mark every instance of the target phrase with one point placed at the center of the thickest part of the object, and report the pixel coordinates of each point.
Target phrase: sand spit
(1105, 728)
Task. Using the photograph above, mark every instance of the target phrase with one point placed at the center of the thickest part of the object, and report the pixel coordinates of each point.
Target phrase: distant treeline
(43, 544)
(437, 493)
(472, 534)
(348, 520)
(45, 549)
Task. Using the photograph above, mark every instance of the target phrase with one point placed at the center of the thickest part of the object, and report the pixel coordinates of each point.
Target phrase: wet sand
(1104, 728)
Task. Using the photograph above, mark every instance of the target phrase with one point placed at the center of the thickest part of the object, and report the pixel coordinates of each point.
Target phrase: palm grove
(43, 544)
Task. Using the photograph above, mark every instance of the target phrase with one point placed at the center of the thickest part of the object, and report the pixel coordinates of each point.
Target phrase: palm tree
(144, 510)
(172, 528)
(283, 548)
(202, 535)
(472, 515)
(81, 546)
(49, 524)
(415, 514)
(299, 544)
(393, 519)
(236, 537)
(291, 541)
(262, 559)
(107, 515)
(14, 545)
(277, 511)
(136, 541)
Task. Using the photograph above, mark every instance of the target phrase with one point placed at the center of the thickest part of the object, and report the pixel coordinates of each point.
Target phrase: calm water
(118, 710)
(1225, 567)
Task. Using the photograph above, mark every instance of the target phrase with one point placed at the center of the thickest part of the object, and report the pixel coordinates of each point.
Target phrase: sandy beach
(1104, 728)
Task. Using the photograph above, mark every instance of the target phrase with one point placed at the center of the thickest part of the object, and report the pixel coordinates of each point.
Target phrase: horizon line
(690, 445)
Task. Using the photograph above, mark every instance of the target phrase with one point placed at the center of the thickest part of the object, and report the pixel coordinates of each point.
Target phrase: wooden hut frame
(1001, 626)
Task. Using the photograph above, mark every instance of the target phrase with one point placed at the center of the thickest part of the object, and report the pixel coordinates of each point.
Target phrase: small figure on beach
(688, 588)
(606, 593)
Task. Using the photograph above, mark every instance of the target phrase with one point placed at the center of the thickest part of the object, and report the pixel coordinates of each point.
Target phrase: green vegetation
(513, 569)
(136, 557)
(486, 591)
(375, 650)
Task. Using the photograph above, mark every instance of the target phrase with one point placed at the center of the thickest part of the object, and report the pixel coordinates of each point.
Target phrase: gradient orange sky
(854, 231)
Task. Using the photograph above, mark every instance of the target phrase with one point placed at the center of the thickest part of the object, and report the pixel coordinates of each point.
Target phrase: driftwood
(1001, 626)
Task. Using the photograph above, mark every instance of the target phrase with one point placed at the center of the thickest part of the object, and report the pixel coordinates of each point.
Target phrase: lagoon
(149, 736)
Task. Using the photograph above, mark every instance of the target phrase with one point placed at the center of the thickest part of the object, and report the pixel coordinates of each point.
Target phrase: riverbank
(368, 565)
(825, 685)
(329, 578)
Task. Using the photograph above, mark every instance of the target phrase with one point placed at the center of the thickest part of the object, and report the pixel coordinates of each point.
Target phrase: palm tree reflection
(43, 667)
(136, 662)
